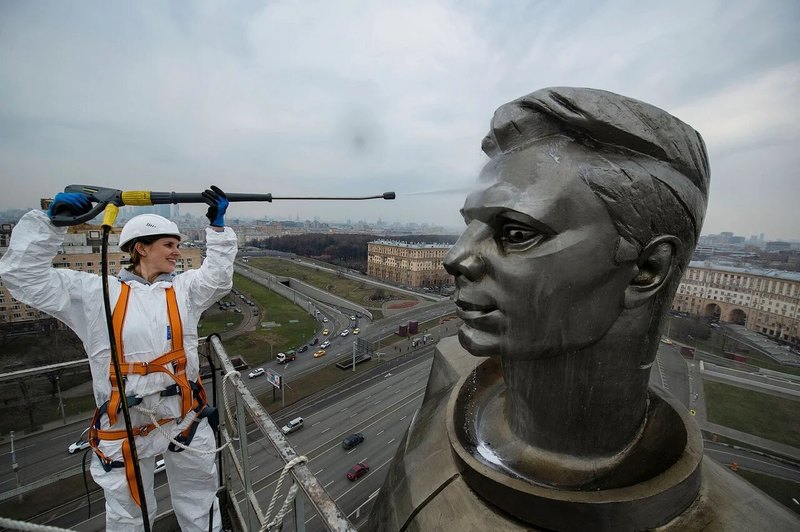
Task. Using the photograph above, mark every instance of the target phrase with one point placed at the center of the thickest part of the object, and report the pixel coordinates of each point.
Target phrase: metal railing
(242, 405)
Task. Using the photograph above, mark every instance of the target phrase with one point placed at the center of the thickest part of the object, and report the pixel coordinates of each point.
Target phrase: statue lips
(475, 313)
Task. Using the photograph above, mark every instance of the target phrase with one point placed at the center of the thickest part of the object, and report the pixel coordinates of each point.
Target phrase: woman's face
(162, 255)
(535, 269)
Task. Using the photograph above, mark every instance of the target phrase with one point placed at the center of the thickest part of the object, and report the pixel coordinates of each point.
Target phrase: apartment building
(765, 301)
(413, 264)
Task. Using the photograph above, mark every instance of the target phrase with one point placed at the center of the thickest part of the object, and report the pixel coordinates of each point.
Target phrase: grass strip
(759, 414)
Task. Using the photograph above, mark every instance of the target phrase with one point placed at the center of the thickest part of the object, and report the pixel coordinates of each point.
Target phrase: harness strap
(117, 319)
(176, 332)
(96, 435)
(172, 363)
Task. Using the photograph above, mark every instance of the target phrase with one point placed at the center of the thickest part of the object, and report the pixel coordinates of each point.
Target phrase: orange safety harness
(172, 363)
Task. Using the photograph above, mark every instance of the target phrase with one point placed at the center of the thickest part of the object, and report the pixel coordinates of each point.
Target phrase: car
(356, 330)
(325, 345)
(283, 358)
(352, 440)
(325, 332)
(357, 471)
(345, 332)
(256, 373)
(303, 349)
(352, 318)
(80, 444)
(320, 353)
(294, 425)
(324, 320)
(315, 341)
(665, 340)
(160, 466)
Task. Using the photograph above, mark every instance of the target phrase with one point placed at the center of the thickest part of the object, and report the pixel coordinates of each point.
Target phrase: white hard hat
(147, 225)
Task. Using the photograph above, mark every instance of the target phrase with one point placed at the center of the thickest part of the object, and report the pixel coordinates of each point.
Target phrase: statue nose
(471, 267)
(463, 259)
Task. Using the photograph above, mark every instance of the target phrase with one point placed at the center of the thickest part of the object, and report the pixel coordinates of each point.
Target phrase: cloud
(354, 97)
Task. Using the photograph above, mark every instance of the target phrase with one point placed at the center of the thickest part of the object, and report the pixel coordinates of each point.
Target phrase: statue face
(534, 270)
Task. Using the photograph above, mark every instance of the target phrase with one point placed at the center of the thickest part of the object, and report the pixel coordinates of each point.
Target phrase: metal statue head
(592, 206)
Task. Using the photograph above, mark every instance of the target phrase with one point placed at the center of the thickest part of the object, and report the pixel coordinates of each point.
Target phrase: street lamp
(60, 399)
(14, 465)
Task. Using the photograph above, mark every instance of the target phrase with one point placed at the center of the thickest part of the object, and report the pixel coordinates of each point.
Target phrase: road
(726, 455)
(671, 372)
(342, 347)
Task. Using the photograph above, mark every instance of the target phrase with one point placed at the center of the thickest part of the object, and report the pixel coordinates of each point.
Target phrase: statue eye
(520, 237)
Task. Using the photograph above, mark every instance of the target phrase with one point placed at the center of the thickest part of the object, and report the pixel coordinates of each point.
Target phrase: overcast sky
(342, 98)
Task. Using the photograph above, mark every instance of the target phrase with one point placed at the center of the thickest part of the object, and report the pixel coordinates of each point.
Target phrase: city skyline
(452, 230)
(317, 98)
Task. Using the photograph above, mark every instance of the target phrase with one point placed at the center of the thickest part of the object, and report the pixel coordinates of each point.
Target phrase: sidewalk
(771, 447)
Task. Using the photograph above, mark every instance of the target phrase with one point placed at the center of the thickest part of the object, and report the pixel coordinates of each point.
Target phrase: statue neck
(588, 404)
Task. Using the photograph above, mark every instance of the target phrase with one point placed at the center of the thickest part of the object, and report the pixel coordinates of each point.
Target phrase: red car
(358, 470)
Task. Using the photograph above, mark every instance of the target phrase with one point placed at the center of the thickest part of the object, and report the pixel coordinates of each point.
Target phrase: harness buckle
(145, 429)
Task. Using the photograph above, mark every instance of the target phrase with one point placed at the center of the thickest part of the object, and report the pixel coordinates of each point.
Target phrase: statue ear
(654, 267)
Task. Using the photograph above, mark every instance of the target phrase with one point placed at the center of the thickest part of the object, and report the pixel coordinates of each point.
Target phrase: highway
(342, 347)
(726, 455)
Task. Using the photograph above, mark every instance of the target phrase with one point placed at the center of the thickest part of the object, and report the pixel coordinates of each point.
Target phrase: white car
(256, 373)
(324, 320)
(293, 425)
(345, 332)
(352, 318)
(325, 344)
(80, 444)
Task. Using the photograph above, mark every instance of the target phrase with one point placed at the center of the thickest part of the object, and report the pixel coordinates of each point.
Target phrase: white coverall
(76, 298)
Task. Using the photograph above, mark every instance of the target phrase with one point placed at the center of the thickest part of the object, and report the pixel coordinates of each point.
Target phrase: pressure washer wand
(191, 197)
(110, 200)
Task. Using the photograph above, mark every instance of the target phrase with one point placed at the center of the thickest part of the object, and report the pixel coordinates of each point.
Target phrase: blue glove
(218, 204)
(72, 203)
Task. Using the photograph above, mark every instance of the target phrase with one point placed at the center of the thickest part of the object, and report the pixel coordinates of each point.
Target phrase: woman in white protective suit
(155, 315)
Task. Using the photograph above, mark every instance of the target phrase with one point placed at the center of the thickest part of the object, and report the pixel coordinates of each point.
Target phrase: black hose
(112, 341)
(217, 434)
